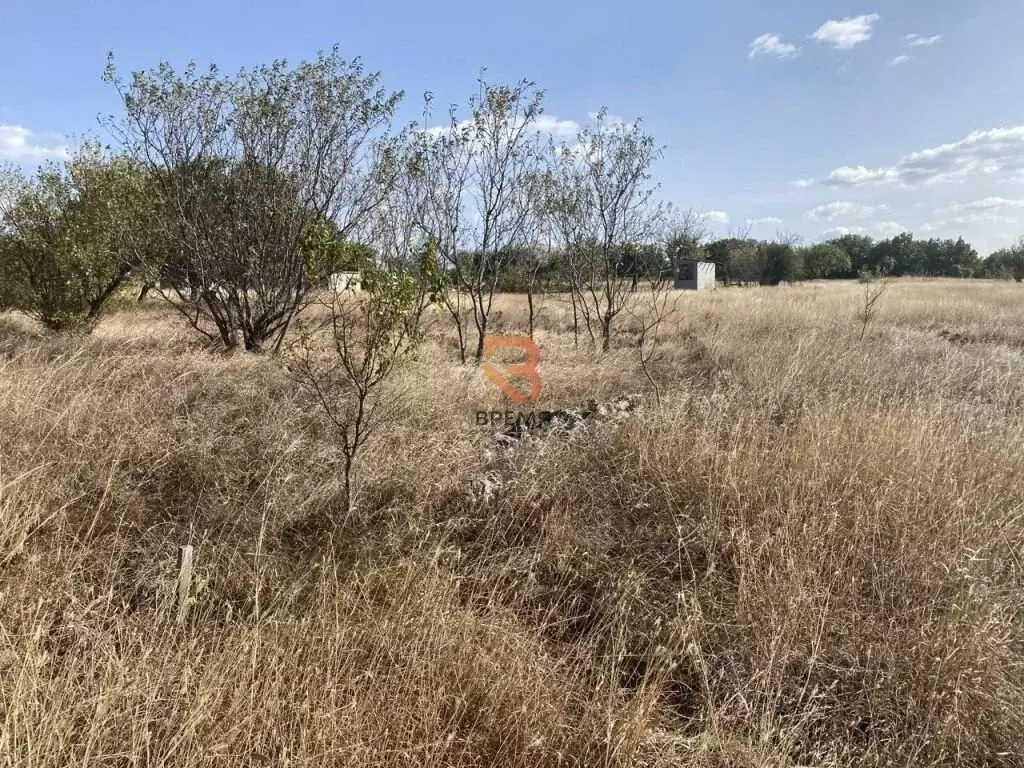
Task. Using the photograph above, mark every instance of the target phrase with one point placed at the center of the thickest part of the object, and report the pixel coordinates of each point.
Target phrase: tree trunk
(575, 320)
(529, 304)
(96, 305)
(349, 496)
(481, 334)
(462, 338)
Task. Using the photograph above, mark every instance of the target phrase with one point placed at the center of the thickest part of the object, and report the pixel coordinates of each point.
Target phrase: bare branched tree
(478, 180)
(347, 356)
(684, 237)
(245, 166)
(599, 196)
(875, 287)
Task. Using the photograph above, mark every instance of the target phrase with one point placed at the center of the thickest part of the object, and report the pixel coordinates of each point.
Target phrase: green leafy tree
(1005, 263)
(737, 260)
(326, 252)
(781, 262)
(825, 261)
(858, 249)
(71, 236)
(249, 166)
(896, 256)
(642, 260)
(948, 258)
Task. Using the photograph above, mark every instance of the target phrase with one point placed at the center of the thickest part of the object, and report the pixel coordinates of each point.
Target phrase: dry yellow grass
(810, 555)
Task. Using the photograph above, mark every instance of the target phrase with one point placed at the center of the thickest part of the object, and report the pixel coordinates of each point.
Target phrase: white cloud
(714, 217)
(547, 124)
(920, 40)
(767, 221)
(829, 234)
(559, 129)
(977, 217)
(833, 211)
(853, 176)
(976, 206)
(887, 229)
(899, 60)
(772, 45)
(20, 145)
(803, 183)
(846, 33)
(986, 153)
(882, 229)
(987, 211)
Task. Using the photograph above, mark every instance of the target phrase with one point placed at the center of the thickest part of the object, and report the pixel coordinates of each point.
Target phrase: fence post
(184, 581)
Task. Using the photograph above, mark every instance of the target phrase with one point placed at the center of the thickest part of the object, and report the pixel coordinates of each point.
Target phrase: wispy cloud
(984, 205)
(772, 45)
(881, 229)
(803, 183)
(843, 209)
(846, 33)
(767, 221)
(921, 40)
(899, 60)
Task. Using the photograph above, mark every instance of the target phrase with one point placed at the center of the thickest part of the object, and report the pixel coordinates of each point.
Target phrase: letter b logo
(505, 375)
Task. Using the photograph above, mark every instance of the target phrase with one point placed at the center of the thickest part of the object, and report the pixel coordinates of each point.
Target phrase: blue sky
(748, 97)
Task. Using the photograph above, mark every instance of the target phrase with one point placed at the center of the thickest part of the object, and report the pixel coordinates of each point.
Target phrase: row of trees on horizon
(741, 260)
(235, 197)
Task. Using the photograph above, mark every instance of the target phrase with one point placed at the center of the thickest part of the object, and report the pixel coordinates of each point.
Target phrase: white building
(695, 276)
(342, 281)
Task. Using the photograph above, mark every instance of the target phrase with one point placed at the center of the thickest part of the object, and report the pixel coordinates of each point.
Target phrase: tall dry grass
(810, 555)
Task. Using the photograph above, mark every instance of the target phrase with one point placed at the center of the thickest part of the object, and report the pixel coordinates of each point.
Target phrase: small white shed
(343, 281)
(695, 276)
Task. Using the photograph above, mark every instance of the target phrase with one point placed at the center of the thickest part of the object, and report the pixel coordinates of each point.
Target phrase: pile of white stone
(567, 422)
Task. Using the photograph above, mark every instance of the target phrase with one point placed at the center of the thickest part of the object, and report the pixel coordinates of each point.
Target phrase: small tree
(478, 186)
(347, 358)
(684, 239)
(875, 287)
(598, 196)
(245, 166)
(653, 304)
(71, 236)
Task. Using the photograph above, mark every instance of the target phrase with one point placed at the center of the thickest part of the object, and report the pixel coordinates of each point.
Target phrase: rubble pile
(568, 422)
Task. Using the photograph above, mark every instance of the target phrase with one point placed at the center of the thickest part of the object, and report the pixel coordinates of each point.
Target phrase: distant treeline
(745, 261)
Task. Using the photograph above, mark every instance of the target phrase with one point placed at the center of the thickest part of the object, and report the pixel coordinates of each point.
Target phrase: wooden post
(184, 581)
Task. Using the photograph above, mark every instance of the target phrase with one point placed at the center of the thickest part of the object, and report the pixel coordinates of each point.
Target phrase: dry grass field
(808, 555)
